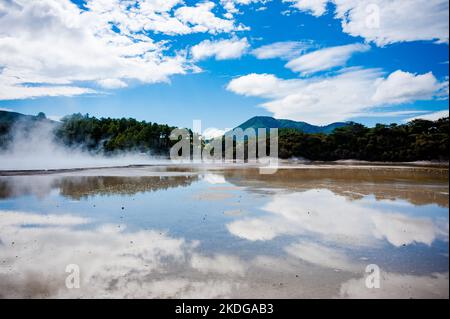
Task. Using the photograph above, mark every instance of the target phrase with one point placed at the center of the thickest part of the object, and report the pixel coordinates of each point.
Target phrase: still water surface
(189, 232)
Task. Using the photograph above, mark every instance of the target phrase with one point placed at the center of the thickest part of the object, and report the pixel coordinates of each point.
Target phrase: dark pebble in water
(123, 208)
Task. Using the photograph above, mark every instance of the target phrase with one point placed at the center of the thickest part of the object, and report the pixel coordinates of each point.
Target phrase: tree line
(414, 141)
(114, 135)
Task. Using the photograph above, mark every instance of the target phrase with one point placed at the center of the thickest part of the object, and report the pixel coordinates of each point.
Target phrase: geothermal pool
(225, 232)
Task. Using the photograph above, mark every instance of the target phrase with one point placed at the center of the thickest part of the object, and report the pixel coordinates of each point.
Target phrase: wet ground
(225, 232)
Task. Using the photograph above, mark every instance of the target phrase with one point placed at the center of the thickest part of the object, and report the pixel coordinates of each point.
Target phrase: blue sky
(336, 68)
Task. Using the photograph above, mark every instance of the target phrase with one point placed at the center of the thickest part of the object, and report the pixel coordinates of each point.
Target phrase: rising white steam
(33, 147)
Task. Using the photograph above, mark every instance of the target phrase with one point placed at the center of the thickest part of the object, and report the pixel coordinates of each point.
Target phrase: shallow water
(192, 232)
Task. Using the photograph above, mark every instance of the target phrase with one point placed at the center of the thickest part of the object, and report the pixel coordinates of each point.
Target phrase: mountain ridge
(271, 122)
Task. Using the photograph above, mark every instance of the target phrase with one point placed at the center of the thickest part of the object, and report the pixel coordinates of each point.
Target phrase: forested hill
(114, 135)
(104, 135)
(8, 119)
(270, 122)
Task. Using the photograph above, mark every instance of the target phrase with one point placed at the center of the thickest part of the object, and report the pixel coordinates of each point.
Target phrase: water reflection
(77, 187)
(226, 233)
(331, 217)
(419, 186)
(113, 262)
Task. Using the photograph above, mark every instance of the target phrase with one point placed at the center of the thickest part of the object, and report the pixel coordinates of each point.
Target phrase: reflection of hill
(77, 187)
(419, 186)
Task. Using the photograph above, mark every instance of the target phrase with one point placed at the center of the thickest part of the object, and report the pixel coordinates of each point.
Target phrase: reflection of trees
(77, 187)
(419, 186)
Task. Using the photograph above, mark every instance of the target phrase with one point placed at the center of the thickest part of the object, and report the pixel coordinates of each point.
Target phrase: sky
(224, 61)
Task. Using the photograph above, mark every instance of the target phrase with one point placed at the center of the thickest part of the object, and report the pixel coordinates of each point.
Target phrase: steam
(33, 147)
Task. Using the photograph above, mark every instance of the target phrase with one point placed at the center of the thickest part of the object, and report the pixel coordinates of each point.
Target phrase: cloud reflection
(35, 250)
(334, 218)
(323, 256)
(394, 286)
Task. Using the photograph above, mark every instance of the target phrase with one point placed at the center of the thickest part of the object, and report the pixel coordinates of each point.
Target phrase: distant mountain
(270, 122)
(9, 118)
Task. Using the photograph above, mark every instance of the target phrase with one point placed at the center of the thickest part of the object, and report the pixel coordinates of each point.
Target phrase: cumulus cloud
(232, 6)
(112, 83)
(200, 18)
(386, 21)
(52, 48)
(325, 99)
(430, 116)
(400, 87)
(221, 50)
(213, 132)
(325, 59)
(283, 50)
(315, 7)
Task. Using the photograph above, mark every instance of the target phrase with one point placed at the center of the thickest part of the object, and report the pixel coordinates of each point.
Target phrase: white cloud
(284, 50)
(262, 85)
(231, 6)
(213, 132)
(430, 116)
(200, 18)
(387, 21)
(112, 83)
(315, 7)
(325, 59)
(52, 48)
(400, 87)
(325, 99)
(12, 91)
(390, 113)
(221, 50)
